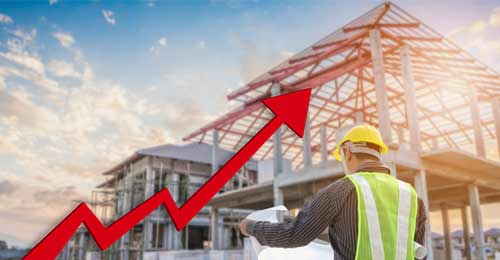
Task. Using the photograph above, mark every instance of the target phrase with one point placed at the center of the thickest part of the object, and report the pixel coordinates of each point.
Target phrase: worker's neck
(362, 164)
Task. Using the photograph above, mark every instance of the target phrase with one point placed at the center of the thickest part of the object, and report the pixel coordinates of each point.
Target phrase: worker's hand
(243, 227)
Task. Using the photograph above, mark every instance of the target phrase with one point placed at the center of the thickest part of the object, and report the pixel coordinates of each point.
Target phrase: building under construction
(182, 170)
(437, 107)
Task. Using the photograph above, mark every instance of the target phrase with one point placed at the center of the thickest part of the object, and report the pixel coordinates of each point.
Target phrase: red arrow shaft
(50, 246)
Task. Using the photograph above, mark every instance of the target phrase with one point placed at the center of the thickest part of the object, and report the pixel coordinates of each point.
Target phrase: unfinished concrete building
(182, 170)
(436, 106)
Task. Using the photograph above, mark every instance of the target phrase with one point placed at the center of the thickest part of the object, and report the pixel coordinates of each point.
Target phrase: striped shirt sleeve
(420, 227)
(313, 218)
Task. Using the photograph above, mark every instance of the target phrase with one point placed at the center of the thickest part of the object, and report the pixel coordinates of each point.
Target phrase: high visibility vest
(387, 211)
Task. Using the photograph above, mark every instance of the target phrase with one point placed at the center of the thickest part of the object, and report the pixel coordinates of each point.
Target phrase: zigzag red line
(50, 246)
(53, 243)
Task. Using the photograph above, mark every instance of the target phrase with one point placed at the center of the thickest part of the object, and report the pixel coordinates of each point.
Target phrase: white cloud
(27, 65)
(163, 41)
(481, 38)
(109, 16)
(49, 85)
(495, 17)
(478, 27)
(25, 60)
(65, 39)
(51, 2)
(202, 44)
(475, 27)
(5, 19)
(63, 69)
(257, 57)
(25, 36)
(18, 105)
(286, 54)
(160, 44)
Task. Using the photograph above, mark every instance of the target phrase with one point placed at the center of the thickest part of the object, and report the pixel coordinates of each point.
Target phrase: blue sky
(85, 83)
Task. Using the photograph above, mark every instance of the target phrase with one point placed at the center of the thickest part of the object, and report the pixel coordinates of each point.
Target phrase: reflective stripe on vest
(403, 220)
(387, 211)
(377, 248)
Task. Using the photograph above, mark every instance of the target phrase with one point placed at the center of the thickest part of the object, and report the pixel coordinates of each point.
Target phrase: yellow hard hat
(361, 133)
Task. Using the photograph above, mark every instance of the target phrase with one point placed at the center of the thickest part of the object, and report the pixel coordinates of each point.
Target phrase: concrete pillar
(277, 156)
(164, 244)
(477, 222)
(126, 207)
(279, 198)
(476, 123)
(65, 253)
(215, 147)
(306, 140)
(415, 141)
(380, 85)
(421, 189)
(465, 228)
(323, 143)
(359, 117)
(173, 236)
(495, 103)
(389, 160)
(411, 101)
(401, 136)
(214, 228)
(435, 143)
(148, 192)
(220, 233)
(81, 244)
(446, 231)
(173, 181)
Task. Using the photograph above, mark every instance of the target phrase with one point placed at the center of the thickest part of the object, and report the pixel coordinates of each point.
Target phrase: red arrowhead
(291, 108)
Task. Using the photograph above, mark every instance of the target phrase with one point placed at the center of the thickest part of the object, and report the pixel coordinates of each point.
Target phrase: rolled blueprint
(314, 250)
(420, 251)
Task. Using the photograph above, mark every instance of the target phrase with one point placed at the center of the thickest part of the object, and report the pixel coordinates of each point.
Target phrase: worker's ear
(347, 153)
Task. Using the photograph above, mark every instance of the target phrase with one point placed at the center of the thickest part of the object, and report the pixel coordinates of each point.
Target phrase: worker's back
(386, 216)
(383, 225)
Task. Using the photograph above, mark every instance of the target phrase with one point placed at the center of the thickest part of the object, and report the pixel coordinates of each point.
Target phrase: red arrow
(290, 109)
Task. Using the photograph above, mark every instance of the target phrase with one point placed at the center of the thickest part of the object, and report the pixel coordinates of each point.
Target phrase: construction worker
(369, 213)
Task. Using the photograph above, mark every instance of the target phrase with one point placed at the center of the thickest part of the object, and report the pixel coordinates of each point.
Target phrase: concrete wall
(265, 169)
